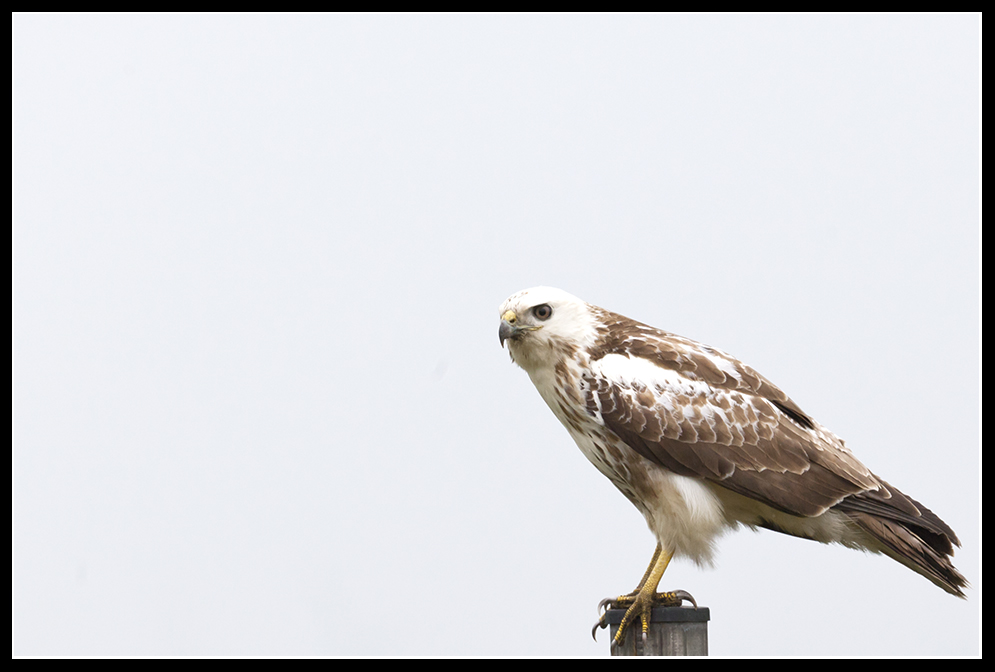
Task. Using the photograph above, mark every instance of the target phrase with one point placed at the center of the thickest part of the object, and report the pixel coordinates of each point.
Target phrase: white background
(259, 401)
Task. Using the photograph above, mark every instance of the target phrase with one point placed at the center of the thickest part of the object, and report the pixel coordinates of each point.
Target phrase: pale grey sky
(259, 401)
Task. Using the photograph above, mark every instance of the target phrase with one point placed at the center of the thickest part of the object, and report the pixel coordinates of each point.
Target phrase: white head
(544, 324)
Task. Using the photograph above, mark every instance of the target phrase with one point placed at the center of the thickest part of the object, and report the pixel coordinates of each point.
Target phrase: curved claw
(685, 595)
(600, 624)
(603, 607)
(660, 599)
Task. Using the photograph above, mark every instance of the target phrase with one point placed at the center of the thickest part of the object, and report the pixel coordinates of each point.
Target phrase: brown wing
(710, 416)
(742, 442)
(720, 420)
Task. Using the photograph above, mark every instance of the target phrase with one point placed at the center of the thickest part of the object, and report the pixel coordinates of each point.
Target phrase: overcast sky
(259, 402)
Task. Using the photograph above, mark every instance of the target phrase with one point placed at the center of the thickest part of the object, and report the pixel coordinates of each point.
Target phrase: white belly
(684, 514)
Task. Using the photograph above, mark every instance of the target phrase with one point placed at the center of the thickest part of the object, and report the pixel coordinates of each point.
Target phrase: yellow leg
(641, 601)
(649, 570)
(623, 600)
(642, 604)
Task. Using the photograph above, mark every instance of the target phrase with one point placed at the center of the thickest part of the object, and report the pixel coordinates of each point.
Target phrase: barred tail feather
(923, 551)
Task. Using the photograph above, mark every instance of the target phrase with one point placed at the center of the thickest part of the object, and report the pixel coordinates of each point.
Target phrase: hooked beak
(510, 328)
(506, 331)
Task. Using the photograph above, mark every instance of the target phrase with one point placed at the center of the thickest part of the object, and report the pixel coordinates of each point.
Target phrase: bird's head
(543, 324)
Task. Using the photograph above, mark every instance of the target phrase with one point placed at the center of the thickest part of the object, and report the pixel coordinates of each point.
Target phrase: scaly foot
(640, 605)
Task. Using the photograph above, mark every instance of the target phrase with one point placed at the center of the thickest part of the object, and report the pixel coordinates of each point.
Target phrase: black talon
(659, 599)
(684, 595)
(601, 623)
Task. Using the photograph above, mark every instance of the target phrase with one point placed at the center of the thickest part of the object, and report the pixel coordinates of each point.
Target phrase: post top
(665, 615)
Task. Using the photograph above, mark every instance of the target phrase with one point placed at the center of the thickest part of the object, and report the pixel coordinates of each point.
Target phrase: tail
(908, 532)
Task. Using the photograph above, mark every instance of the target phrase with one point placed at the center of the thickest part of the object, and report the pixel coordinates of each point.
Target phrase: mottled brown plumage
(700, 442)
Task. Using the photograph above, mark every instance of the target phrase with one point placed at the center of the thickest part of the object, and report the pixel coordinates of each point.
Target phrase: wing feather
(699, 412)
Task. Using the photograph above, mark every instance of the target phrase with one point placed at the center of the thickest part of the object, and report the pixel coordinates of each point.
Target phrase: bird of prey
(701, 443)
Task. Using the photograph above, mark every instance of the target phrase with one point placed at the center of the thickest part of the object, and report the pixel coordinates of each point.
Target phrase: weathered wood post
(674, 631)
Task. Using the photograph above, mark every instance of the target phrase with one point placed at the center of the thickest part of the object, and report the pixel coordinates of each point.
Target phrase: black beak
(506, 331)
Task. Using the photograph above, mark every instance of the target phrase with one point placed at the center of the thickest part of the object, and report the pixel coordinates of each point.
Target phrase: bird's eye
(543, 312)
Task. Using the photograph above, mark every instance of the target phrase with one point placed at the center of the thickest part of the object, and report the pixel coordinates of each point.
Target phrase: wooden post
(674, 631)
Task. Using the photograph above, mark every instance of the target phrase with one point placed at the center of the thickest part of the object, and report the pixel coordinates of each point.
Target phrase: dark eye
(543, 312)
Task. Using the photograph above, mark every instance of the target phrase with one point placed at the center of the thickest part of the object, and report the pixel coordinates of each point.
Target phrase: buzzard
(701, 443)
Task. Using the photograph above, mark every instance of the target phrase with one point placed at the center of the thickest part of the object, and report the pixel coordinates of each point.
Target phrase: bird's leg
(623, 600)
(607, 603)
(649, 569)
(641, 601)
